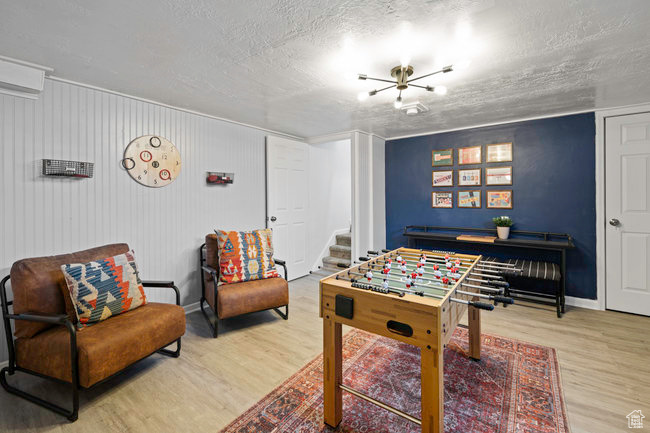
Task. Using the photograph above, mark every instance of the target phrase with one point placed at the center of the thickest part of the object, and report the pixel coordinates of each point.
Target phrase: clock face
(152, 161)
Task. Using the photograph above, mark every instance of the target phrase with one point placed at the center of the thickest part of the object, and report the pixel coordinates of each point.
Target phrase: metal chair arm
(284, 265)
(164, 284)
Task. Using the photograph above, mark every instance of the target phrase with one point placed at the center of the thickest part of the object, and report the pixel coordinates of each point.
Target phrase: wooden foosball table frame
(425, 322)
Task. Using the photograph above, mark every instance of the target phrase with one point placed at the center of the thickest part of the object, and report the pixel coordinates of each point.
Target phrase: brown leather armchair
(47, 343)
(235, 299)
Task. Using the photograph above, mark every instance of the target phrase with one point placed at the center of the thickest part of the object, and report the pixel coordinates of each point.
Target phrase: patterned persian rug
(515, 388)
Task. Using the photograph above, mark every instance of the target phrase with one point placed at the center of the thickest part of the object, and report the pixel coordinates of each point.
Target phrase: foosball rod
(497, 298)
(451, 253)
(463, 265)
(475, 304)
(482, 263)
(495, 283)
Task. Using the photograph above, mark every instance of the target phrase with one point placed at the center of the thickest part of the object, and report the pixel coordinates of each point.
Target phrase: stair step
(344, 239)
(330, 262)
(341, 251)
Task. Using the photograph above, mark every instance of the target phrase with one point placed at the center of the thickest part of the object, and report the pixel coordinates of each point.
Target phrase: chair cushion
(38, 285)
(104, 288)
(245, 256)
(104, 348)
(530, 268)
(250, 296)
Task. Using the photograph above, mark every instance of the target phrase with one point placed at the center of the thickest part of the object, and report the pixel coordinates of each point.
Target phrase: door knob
(273, 219)
(614, 222)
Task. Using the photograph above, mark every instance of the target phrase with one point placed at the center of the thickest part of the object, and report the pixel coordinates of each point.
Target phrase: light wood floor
(604, 359)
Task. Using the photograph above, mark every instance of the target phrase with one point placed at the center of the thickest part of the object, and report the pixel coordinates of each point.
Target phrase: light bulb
(440, 90)
(398, 102)
(405, 60)
(362, 96)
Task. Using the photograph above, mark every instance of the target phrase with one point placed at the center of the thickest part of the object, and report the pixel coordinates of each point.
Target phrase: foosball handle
(384, 250)
(373, 253)
(342, 265)
(503, 300)
(482, 305)
(364, 259)
(498, 283)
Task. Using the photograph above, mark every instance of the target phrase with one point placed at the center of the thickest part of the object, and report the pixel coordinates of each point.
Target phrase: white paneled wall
(43, 216)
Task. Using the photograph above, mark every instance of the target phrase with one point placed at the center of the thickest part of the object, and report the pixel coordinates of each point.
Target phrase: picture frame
(442, 178)
(469, 155)
(499, 199)
(469, 177)
(469, 199)
(499, 152)
(498, 175)
(441, 158)
(442, 199)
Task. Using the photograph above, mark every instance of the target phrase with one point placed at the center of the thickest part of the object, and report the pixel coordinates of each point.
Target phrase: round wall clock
(152, 161)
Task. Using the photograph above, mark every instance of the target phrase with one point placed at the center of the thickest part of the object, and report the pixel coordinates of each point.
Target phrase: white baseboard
(4, 364)
(591, 304)
(190, 308)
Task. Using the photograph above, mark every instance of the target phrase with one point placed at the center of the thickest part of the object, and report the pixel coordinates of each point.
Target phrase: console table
(522, 239)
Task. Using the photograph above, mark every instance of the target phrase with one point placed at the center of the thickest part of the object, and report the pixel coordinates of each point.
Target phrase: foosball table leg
(433, 390)
(333, 372)
(474, 326)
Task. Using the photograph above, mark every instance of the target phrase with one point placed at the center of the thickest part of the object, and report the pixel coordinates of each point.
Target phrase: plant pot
(503, 232)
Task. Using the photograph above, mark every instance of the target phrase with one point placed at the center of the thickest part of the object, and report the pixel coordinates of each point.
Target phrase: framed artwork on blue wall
(442, 199)
(469, 155)
(471, 177)
(443, 178)
(498, 175)
(442, 157)
(469, 199)
(499, 199)
(499, 152)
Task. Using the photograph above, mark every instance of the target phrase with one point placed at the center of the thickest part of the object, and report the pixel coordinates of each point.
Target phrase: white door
(627, 210)
(287, 201)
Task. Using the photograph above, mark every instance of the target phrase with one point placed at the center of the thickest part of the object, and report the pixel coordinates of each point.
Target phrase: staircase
(340, 253)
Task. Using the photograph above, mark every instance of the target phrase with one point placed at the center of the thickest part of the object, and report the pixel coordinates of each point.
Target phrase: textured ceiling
(289, 65)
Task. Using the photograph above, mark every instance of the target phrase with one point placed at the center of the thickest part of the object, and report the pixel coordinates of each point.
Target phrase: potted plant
(503, 224)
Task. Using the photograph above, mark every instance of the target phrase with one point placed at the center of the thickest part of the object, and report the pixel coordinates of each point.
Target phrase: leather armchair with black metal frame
(211, 295)
(61, 320)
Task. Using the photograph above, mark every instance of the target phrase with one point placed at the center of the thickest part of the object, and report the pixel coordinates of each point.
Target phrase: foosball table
(414, 296)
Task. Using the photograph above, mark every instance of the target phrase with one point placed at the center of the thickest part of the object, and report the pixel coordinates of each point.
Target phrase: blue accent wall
(554, 188)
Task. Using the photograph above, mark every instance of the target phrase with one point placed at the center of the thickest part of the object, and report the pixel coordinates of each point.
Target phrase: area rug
(515, 388)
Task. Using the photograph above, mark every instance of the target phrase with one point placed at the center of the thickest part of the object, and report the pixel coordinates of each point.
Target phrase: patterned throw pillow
(245, 256)
(104, 288)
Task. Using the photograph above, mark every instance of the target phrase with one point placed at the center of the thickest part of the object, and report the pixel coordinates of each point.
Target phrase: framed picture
(469, 155)
(499, 199)
(469, 199)
(443, 178)
(442, 199)
(442, 157)
(499, 152)
(498, 175)
(471, 177)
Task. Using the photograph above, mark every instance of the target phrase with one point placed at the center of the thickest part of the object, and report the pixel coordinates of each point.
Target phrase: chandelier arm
(385, 88)
(420, 87)
(424, 76)
(380, 79)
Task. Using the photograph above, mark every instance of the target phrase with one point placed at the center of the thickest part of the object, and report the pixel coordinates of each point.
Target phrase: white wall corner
(190, 308)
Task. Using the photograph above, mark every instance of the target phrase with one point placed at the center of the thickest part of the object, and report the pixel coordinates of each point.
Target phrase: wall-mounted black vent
(57, 167)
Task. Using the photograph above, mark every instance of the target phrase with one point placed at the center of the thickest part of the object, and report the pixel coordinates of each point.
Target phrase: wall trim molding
(590, 304)
(623, 109)
(345, 135)
(601, 217)
(173, 107)
(190, 308)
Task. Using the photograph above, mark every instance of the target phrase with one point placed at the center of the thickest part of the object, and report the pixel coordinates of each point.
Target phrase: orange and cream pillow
(245, 256)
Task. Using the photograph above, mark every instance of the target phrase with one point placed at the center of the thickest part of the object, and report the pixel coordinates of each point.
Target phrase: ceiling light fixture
(402, 82)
